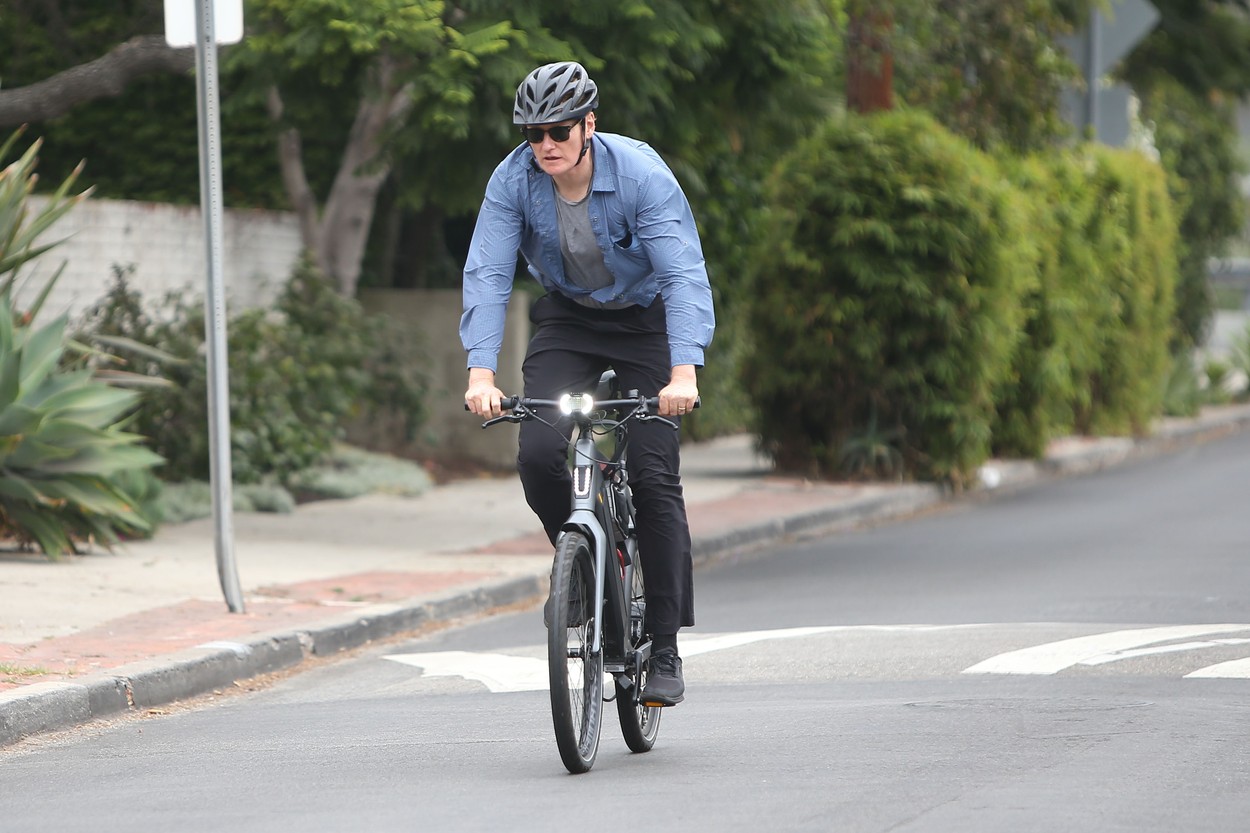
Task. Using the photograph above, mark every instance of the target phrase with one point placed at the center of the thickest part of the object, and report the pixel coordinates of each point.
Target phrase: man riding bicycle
(608, 233)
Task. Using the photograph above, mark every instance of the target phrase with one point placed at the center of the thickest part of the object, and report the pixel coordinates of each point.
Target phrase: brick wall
(165, 244)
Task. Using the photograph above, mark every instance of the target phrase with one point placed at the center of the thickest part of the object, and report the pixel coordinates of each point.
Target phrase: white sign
(180, 21)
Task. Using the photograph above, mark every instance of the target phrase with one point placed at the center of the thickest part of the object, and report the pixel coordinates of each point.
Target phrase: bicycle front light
(581, 403)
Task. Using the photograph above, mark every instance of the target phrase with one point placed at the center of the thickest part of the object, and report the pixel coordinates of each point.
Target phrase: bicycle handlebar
(520, 408)
(649, 405)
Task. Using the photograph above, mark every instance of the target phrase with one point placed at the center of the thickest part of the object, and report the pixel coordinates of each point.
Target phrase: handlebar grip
(653, 404)
(507, 403)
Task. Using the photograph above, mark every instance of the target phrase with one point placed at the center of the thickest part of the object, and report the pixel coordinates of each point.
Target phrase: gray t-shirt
(583, 259)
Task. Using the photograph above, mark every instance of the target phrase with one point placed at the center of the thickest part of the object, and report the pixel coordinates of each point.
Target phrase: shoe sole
(657, 702)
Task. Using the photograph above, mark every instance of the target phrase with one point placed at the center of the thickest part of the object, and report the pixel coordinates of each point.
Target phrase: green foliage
(1182, 390)
(1204, 46)
(63, 452)
(296, 373)
(19, 231)
(989, 70)
(1197, 140)
(1134, 235)
(885, 297)
(1239, 362)
(61, 444)
(191, 500)
(351, 472)
(1095, 353)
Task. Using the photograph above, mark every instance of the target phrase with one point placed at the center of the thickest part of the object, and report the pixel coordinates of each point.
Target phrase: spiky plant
(61, 440)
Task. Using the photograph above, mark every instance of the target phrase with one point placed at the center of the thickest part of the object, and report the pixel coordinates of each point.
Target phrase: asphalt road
(1072, 656)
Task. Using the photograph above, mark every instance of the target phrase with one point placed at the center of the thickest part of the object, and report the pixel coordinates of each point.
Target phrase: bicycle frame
(597, 483)
(601, 519)
(594, 513)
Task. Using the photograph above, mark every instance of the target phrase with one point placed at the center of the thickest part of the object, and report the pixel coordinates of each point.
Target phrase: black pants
(570, 348)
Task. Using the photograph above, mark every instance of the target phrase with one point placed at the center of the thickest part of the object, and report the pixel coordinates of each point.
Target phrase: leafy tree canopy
(1203, 45)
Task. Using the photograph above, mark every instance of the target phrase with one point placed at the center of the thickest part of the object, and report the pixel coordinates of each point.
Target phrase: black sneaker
(665, 686)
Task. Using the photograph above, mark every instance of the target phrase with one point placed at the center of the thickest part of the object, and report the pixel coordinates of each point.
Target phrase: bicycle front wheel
(574, 664)
(639, 724)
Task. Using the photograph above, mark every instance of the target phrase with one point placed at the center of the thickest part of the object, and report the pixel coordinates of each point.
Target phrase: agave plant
(18, 230)
(62, 447)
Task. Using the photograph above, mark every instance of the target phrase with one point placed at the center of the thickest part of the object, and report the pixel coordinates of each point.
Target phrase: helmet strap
(585, 145)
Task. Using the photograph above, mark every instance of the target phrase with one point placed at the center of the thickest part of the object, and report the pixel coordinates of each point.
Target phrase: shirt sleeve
(667, 230)
(488, 274)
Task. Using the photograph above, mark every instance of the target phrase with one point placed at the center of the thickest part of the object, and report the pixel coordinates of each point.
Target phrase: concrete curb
(46, 707)
(903, 501)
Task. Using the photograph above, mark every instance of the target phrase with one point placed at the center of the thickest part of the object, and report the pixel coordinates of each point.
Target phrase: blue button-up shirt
(645, 229)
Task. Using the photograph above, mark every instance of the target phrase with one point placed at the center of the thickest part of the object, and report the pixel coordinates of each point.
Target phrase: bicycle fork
(588, 515)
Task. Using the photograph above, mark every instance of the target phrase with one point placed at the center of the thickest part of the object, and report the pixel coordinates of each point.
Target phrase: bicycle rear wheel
(575, 668)
(639, 724)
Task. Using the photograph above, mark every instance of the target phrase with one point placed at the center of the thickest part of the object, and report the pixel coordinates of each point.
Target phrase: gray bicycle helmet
(554, 93)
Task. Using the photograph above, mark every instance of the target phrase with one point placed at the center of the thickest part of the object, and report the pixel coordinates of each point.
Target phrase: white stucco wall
(165, 244)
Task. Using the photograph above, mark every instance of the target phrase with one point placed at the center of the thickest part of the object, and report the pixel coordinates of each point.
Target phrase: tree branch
(106, 76)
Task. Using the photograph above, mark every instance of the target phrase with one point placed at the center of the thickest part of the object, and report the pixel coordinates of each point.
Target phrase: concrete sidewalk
(104, 634)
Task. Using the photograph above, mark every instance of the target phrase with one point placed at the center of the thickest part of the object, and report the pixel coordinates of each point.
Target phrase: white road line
(498, 672)
(1173, 648)
(504, 672)
(507, 673)
(693, 644)
(1054, 657)
(1234, 669)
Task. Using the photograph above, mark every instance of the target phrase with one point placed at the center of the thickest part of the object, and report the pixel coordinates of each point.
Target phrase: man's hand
(677, 398)
(482, 397)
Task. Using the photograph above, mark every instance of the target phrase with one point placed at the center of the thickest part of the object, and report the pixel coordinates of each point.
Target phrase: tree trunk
(294, 180)
(869, 62)
(337, 238)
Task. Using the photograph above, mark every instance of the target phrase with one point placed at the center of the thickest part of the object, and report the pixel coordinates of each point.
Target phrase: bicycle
(597, 606)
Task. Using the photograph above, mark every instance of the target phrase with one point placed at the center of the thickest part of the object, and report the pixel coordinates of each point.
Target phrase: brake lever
(519, 413)
(649, 417)
(504, 418)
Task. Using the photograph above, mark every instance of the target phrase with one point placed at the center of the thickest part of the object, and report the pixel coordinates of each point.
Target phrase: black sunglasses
(558, 133)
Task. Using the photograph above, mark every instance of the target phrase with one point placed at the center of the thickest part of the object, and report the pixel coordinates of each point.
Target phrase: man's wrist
(684, 373)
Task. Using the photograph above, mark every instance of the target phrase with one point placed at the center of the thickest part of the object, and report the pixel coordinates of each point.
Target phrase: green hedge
(919, 305)
(886, 303)
(1097, 327)
(1134, 234)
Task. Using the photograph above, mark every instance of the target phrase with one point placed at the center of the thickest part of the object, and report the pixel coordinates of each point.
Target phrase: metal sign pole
(215, 304)
(1094, 74)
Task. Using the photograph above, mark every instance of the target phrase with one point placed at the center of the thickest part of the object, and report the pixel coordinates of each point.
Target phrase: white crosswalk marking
(498, 672)
(525, 669)
(1173, 648)
(1054, 657)
(1234, 669)
(506, 672)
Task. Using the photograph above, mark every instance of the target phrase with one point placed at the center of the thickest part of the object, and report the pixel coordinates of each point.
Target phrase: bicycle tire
(639, 724)
(576, 673)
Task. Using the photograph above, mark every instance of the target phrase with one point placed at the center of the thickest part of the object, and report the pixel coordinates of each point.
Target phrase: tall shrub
(885, 300)
(1134, 231)
(1061, 349)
